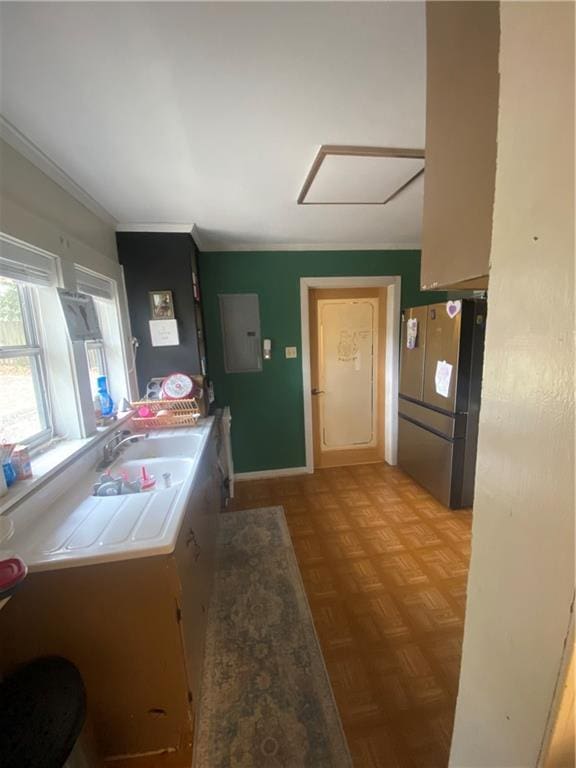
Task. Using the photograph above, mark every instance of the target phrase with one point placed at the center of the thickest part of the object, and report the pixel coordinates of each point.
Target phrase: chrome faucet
(113, 447)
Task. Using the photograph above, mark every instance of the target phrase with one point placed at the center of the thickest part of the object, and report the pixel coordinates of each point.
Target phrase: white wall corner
(22, 144)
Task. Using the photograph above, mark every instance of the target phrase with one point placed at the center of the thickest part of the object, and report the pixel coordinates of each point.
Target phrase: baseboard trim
(268, 473)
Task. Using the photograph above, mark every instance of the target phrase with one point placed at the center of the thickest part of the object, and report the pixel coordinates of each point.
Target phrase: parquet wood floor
(385, 569)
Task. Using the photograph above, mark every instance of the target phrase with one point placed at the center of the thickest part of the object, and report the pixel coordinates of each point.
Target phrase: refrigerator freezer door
(412, 360)
(428, 458)
(442, 349)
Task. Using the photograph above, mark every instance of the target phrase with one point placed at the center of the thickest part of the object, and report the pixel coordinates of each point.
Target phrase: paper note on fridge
(412, 333)
(442, 377)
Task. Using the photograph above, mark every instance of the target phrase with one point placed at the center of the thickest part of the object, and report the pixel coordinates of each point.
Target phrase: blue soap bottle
(106, 402)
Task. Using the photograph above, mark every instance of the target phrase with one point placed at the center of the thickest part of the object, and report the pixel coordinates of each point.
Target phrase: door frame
(393, 285)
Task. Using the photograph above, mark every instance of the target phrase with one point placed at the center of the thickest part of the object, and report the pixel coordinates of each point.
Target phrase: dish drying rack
(166, 414)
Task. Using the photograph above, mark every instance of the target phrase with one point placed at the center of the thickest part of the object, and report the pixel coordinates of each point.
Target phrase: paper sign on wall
(442, 377)
(164, 333)
(412, 332)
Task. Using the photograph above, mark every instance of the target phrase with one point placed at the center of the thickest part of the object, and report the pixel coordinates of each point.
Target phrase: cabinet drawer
(427, 458)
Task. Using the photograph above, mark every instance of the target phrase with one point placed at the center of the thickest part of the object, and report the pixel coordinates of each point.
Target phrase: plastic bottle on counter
(106, 402)
(9, 473)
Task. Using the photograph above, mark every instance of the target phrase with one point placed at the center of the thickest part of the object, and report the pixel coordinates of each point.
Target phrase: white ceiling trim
(34, 154)
(186, 229)
(158, 227)
(226, 248)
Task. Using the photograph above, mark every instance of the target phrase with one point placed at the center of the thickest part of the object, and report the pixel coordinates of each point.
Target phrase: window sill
(51, 462)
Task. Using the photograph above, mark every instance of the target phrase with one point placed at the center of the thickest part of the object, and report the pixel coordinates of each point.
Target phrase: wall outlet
(290, 352)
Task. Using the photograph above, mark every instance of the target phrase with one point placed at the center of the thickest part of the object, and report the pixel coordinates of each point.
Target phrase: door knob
(317, 391)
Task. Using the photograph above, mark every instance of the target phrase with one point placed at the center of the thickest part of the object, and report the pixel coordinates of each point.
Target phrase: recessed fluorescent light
(349, 175)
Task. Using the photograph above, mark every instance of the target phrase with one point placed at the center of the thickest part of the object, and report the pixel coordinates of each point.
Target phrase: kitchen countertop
(80, 529)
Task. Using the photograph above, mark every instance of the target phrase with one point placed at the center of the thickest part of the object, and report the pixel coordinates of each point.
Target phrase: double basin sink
(166, 459)
(77, 528)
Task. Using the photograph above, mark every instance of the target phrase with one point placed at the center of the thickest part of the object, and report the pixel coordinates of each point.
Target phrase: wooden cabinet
(194, 558)
(134, 628)
(461, 123)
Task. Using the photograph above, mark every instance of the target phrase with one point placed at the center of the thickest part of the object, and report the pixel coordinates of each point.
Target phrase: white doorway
(347, 353)
(390, 384)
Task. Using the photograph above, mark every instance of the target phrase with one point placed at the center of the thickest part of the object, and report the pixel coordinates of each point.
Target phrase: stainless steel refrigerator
(439, 398)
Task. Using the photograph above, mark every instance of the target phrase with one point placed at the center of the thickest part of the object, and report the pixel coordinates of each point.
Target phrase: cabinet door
(190, 602)
(195, 559)
(461, 122)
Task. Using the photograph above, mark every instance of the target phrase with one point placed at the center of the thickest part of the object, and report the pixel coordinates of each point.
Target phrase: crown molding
(211, 246)
(197, 237)
(232, 247)
(18, 141)
(156, 227)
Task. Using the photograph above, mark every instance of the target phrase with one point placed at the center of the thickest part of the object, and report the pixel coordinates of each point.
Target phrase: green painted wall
(267, 407)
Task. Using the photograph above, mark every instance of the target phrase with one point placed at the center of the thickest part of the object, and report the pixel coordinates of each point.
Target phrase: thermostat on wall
(290, 352)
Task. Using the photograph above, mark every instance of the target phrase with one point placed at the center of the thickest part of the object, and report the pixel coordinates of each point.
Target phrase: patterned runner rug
(266, 699)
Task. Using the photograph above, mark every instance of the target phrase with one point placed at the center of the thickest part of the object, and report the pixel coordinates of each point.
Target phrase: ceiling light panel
(360, 176)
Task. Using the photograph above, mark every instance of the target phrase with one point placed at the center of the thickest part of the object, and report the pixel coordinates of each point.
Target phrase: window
(99, 352)
(44, 391)
(96, 350)
(24, 405)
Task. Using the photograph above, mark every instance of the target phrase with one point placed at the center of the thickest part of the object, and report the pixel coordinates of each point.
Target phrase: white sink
(162, 447)
(177, 468)
(77, 528)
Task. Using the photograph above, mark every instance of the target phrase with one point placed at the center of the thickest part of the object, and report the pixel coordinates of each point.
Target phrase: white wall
(521, 583)
(36, 210)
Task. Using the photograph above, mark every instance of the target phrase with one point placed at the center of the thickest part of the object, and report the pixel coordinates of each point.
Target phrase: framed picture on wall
(161, 305)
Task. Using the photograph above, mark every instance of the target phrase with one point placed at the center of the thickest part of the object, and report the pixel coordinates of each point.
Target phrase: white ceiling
(212, 113)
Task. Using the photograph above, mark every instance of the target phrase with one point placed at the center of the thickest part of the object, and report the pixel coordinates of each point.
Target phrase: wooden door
(347, 351)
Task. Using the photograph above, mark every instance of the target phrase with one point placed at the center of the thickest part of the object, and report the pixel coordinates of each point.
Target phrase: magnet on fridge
(453, 308)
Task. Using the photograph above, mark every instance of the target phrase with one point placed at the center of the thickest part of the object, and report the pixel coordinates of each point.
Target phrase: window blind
(26, 264)
(93, 285)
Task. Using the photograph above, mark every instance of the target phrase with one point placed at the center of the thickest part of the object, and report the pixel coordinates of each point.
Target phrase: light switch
(290, 352)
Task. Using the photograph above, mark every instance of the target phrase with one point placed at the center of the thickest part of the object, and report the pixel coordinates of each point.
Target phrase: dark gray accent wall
(156, 261)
